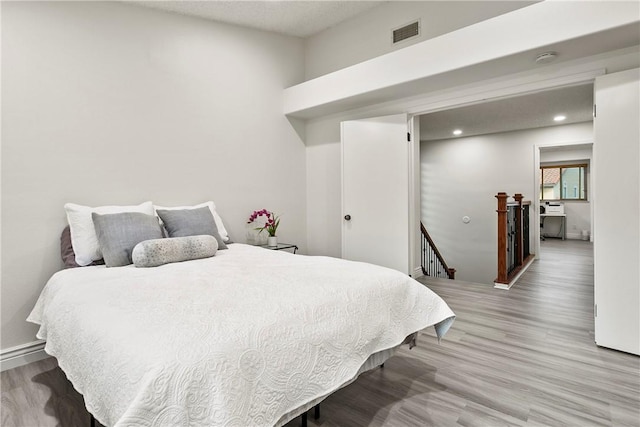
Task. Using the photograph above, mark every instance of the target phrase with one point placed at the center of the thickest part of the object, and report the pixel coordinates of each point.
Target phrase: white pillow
(83, 234)
(212, 206)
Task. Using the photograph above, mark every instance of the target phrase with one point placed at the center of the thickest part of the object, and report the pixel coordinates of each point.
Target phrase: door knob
(347, 217)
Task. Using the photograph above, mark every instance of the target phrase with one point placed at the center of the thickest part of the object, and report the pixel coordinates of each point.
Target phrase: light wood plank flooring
(520, 357)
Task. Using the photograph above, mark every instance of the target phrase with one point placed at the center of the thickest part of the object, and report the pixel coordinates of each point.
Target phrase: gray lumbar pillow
(190, 222)
(152, 253)
(119, 233)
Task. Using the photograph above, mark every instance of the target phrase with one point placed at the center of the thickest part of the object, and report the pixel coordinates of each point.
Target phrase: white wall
(368, 35)
(578, 212)
(108, 103)
(460, 177)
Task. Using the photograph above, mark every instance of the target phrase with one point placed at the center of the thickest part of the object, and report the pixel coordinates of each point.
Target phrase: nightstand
(281, 246)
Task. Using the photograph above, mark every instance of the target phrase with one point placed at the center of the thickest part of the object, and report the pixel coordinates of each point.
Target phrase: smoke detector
(545, 58)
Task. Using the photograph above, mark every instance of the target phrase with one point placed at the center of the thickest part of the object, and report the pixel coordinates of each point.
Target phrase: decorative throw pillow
(67, 253)
(191, 222)
(212, 206)
(119, 233)
(83, 233)
(152, 253)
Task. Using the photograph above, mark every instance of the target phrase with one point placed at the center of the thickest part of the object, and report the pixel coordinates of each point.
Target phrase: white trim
(22, 355)
(342, 204)
(565, 74)
(432, 57)
(496, 89)
(513, 281)
(575, 236)
(417, 272)
(413, 128)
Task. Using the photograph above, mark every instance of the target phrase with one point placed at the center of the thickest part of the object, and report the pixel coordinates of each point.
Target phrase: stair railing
(433, 264)
(513, 236)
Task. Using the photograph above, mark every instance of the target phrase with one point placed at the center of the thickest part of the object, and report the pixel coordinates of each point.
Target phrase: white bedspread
(235, 340)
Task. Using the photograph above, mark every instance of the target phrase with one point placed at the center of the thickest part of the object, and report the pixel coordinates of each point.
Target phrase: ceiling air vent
(406, 32)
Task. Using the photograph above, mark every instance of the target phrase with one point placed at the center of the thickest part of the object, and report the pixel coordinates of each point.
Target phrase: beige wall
(107, 103)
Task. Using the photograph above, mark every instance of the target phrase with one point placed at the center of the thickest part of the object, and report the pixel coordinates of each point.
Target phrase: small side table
(281, 246)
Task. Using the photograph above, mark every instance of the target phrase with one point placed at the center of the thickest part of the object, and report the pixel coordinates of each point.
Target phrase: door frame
(496, 89)
(480, 93)
(536, 188)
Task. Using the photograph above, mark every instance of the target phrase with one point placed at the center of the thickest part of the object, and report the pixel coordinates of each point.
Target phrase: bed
(248, 337)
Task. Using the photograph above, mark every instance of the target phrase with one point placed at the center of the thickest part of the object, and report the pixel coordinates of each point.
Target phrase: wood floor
(525, 356)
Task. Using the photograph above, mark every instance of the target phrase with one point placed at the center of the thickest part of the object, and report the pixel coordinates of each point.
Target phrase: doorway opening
(468, 154)
(565, 192)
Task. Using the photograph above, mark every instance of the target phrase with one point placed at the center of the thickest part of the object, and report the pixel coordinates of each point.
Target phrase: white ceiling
(516, 113)
(289, 17)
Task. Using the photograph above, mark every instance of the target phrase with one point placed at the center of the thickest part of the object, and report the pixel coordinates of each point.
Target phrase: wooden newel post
(519, 236)
(502, 237)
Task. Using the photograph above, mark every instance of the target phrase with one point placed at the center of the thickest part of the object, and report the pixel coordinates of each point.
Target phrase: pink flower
(271, 221)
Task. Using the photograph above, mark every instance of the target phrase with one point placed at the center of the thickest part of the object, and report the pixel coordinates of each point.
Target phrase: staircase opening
(433, 263)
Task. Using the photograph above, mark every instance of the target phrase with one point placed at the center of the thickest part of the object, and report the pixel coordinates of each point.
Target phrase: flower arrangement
(271, 221)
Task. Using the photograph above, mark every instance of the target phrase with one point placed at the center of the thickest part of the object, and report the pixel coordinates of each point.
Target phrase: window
(563, 182)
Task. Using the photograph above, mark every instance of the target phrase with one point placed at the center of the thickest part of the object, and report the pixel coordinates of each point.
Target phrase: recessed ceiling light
(457, 132)
(559, 118)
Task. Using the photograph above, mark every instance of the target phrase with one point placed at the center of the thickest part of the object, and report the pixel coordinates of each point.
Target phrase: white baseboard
(22, 355)
(569, 236)
(417, 272)
(507, 286)
(574, 236)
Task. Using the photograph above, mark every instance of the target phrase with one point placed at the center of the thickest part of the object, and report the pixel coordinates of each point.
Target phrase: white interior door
(616, 211)
(375, 191)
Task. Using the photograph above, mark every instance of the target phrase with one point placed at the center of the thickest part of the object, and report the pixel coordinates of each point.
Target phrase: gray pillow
(190, 222)
(152, 253)
(119, 233)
